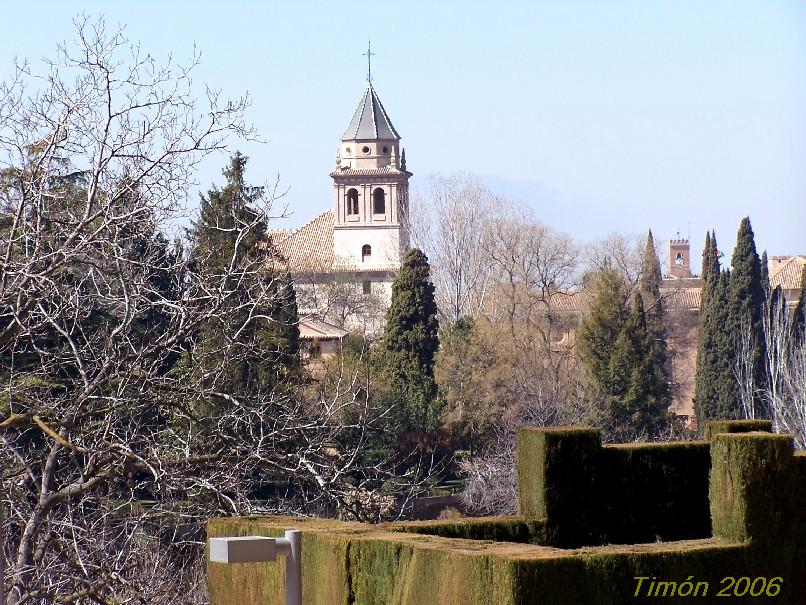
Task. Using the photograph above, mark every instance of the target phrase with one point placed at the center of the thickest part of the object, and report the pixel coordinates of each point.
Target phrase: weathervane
(368, 55)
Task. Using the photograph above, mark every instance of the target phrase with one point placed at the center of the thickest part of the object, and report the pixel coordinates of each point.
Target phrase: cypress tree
(639, 399)
(716, 390)
(765, 275)
(710, 268)
(649, 287)
(746, 296)
(409, 344)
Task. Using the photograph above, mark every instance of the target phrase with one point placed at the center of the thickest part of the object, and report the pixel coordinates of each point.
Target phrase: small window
(366, 253)
(386, 149)
(348, 150)
(367, 287)
(352, 201)
(678, 260)
(315, 350)
(378, 201)
(365, 149)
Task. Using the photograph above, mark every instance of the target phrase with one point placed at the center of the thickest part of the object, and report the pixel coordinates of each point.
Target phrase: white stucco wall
(384, 241)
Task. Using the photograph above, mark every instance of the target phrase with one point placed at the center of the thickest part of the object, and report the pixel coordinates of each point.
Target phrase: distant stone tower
(679, 258)
(370, 190)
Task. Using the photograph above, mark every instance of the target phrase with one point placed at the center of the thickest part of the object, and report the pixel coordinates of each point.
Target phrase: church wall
(384, 242)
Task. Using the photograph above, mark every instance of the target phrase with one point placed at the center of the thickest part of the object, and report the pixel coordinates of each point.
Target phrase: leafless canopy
(107, 446)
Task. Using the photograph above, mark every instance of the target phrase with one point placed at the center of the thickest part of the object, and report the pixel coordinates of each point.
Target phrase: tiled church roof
(309, 248)
(788, 273)
(674, 298)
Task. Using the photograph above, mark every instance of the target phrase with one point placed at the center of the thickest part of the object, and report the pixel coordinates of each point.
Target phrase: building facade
(344, 260)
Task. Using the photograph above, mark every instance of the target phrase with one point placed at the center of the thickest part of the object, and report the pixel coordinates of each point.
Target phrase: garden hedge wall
(624, 494)
(755, 484)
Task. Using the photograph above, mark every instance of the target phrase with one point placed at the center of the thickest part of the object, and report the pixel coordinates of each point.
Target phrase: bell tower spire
(370, 187)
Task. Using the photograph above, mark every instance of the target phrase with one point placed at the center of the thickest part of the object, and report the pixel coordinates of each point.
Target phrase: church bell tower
(370, 190)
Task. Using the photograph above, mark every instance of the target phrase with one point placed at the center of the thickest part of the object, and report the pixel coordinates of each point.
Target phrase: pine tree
(746, 296)
(409, 344)
(624, 359)
(254, 339)
(601, 328)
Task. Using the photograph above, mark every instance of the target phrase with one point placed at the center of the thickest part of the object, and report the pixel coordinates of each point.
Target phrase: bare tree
(491, 478)
(341, 298)
(744, 369)
(532, 267)
(785, 367)
(115, 430)
(623, 253)
(447, 222)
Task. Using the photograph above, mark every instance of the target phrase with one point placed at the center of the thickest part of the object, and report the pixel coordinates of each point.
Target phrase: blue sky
(681, 116)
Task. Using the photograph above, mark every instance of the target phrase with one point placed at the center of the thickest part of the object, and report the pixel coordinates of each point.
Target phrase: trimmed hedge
(626, 494)
(557, 481)
(756, 488)
(713, 427)
(498, 529)
(349, 565)
(652, 492)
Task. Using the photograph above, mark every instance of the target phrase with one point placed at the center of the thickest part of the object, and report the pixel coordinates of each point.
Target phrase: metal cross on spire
(368, 55)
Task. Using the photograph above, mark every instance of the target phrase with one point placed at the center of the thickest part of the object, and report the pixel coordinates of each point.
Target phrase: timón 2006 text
(731, 587)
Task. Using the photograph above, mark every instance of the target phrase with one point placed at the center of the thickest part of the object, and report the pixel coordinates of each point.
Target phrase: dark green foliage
(651, 492)
(716, 391)
(499, 529)
(765, 274)
(409, 344)
(710, 267)
(642, 492)
(557, 481)
(654, 308)
(601, 328)
(755, 496)
(626, 359)
(746, 295)
(640, 395)
(251, 345)
(649, 285)
(709, 329)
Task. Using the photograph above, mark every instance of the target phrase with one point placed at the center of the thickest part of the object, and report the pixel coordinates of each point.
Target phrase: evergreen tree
(639, 399)
(285, 327)
(624, 358)
(601, 328)
(409, 344)
(649, 288)
(254, 341)
(746, 296)
(765, 275)
(716, 390)
(710, 268)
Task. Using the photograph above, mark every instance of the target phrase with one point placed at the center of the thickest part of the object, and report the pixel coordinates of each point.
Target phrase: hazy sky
(604, 116)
